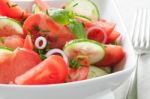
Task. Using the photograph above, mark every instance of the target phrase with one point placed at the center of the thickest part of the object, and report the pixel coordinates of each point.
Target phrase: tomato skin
(107, 26)
(13, 12)
(98, 34)
(12, 41)
(56, 34)
(113, 55)
(77, 74)
(53, 70)
(113, 37)
(28, 44)
(5, 63)
(17, 63)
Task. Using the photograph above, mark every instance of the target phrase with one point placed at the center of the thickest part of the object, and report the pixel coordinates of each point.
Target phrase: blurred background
(128, 8)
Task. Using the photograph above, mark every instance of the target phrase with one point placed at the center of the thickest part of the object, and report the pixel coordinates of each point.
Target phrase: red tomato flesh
(28, 44)
(11, 41)
(20, 61)
(53, 70)
(5, 62)
(56, 34)
(113, 55)
(98, 34)
(77, 74)
(9, 9)
(113, 36)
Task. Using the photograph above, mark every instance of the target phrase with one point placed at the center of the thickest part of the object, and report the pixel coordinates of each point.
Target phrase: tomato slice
(11, 41)
(107, 26)
(5, 62)
(41, 5)
(81, 73)
(51, 71)
(98, 34)
(28, 44)
(113, 36)
(17, 63)
(113, 55)
(43, 25)
(9, 9)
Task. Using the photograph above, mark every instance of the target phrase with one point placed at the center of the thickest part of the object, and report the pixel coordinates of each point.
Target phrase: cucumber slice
(5, 50)
(107, 69)
(83, 18)
(35, 9)
(85, 8)
(96, 72)
(10, 25)
(94, 50)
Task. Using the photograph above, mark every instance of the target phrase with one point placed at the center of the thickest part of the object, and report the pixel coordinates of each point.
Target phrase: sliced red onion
(54, 51)
(40, 39)
(101, 29)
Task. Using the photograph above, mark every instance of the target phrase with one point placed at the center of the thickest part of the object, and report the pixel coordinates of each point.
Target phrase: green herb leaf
(7, 48)
(2, 40)
(41, 53)
(36, 28)
(60, 15)
(78, 29)
(74, 63)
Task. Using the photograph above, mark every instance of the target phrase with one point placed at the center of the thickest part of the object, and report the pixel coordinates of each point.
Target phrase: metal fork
(140, 39)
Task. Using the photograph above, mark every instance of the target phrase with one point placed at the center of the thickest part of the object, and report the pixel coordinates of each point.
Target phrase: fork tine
(133, 28)
(143, 27)
(138, 28)
(148, 30)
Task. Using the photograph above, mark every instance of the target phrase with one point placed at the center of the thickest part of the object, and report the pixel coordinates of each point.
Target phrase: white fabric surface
(127, 9)
(144, 77)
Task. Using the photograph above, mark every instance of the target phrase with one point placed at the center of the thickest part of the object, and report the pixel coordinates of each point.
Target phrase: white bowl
(82, 89)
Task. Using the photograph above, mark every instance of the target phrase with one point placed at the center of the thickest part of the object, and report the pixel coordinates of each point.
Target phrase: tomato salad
(51, 45)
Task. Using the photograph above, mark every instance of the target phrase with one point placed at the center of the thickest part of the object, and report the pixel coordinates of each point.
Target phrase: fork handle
(133, 90)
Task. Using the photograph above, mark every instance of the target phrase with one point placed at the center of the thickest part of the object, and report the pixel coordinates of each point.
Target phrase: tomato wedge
(101, 30)
(42, 25)
(113, 55)
(53, 70)
(107, 26)
(81, 73)
(17, 63)
(11, 41)
(113, 36)
(98, 34)
(5, 62)
(28, 44)
(9, 9)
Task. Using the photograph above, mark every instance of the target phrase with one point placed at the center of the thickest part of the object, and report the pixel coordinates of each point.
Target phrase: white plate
(82, 89)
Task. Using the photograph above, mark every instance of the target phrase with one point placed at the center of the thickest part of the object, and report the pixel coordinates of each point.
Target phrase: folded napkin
(144, 77)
